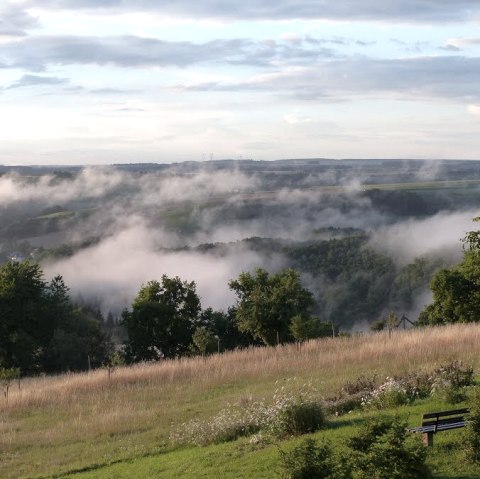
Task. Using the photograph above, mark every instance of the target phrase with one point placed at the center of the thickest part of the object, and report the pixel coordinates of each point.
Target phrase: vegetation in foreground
(120, 427)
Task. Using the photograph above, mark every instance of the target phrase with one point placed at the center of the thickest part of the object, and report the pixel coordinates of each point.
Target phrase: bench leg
(427, 439)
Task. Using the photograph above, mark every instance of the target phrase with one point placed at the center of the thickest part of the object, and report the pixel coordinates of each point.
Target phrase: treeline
(41, 330)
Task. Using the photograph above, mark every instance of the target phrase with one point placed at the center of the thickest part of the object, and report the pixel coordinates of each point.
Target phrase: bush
(297, 417)
(229, 424)
(289, 414)
(310, 460)
(390, 394)
(383, 450)
(449, 382)
(344, 404)
(294, 412)
(455, 395)
(472, 431)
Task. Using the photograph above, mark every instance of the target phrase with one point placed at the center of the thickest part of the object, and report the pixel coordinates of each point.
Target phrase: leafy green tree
(203, 341)
(307, 327)
(162, 320)
(40, 330)
(267, 303)
(456, 291)
(224, 328)
(25, 318)
(79, 342)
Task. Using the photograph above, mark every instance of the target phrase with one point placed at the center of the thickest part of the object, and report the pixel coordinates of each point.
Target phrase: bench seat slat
(440, 427)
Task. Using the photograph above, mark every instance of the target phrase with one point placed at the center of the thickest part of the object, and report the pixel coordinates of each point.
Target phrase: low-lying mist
(146, 224)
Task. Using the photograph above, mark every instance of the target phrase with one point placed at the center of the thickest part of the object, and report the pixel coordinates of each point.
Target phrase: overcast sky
(111, 81)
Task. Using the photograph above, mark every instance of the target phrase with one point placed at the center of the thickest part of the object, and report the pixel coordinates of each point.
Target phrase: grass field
(86, 426)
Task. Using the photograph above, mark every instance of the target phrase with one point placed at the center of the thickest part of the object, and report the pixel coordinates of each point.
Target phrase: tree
(162, 320)
(79, 342)
(7, 376)
(224, 328)
(307, 327)
(456, 291)
(203, 340)
(40, 330)
(25, 321)
(267, 303)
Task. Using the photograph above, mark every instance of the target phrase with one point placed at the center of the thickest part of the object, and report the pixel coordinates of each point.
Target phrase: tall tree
(162, 319)
(23, 315)
(456, 291)
(267, 303)
(40, 330)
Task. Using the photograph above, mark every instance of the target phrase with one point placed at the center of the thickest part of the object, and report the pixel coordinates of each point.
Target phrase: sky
(120, 81)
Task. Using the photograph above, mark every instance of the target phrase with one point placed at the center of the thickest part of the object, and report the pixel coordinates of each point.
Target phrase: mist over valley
(366, 235)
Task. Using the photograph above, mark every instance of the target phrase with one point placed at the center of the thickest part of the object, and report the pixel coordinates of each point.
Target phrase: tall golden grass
(330, 360)
(135, 408)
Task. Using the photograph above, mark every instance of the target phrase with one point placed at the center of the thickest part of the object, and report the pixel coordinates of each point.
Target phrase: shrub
(388, 395)
(289, 414)
(229, 424)
(343, 404)
(472, 431)
(382, 450)
(455, 395)
(297, 417)
(295, 412)
(450, 380)
(310, 460)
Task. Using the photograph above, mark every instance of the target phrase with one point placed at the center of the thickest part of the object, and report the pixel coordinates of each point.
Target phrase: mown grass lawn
(241, 459)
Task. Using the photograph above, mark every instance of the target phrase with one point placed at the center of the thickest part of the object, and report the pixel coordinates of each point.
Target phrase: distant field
(54, 426)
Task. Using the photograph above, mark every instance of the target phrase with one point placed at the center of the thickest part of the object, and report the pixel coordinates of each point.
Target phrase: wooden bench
(434, 422)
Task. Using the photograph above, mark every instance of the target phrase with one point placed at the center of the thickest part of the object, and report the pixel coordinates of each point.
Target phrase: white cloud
(296, 118)
(474, 110)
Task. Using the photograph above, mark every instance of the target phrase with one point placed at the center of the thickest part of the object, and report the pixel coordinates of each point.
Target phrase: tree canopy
(162, 319)
(456, 291)
(267, 303)
(37, 320)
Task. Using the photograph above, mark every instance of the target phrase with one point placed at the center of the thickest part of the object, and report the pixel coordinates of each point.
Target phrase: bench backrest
(437, 415)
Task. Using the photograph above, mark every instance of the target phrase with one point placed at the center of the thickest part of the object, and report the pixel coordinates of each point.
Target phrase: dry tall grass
(133, 411)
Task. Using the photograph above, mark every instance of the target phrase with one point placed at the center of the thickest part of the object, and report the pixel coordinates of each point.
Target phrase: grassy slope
(55, 426)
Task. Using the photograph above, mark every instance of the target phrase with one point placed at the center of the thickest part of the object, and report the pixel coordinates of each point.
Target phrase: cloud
(296, 119)
(439, 234)
(15, 21)
(451, 77)
(147, 190)
(463, 42)
(37, 53)
(35, 80)
(474, 110)
(409, 11)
